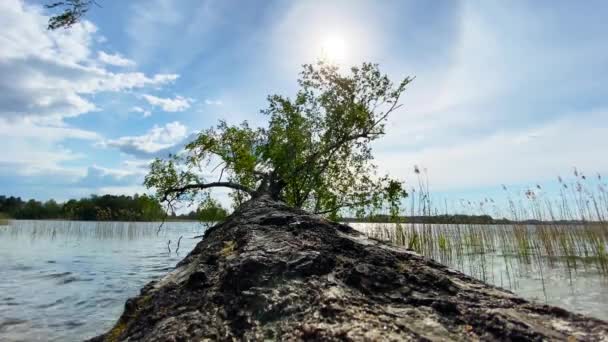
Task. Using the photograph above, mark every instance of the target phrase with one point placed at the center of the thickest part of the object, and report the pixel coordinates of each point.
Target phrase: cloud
(213, 102)
(49, 74)
(97, 177)
(47, 77)
(145, 113)
(178, 104)
(536, 154)
(64, 184)
(115, 59)
(128, 190)
(33, 148)
(175, 32)
(158, 141)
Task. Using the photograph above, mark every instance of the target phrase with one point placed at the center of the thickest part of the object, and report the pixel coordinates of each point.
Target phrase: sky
(506, 92)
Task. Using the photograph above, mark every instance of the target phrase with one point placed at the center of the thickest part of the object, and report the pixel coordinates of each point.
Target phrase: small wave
(22, 268)
(49, 305)
(10, 301)
(73, 279)
(56, 275)
(70, 324)
(104, 302)
(159, 269)
(10, 322)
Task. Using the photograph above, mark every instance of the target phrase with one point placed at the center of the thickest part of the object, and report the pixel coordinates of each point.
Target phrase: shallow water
(583, 289)
(67, 281)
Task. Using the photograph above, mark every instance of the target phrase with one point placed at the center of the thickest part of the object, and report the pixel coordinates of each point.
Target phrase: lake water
(67, 281)
(579, 286)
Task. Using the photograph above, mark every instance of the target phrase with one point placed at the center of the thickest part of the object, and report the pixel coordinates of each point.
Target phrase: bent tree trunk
(274, 272)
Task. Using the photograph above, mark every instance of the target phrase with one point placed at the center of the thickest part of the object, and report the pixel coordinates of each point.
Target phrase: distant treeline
(447, 219)
(209, 211)
(101, 208)
(457, 219)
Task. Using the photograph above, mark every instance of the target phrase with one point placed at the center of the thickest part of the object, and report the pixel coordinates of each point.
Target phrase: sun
(333, 48)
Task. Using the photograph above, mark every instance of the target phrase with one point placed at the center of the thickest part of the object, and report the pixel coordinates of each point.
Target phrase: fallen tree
(274, 272)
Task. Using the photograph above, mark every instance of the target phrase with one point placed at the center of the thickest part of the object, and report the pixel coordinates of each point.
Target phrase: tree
(210, 211)
(315, 153)
(73, 11)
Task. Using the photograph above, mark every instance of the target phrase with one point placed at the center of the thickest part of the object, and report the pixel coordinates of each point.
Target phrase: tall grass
(567, 231)
(98, 230)
(4, 219)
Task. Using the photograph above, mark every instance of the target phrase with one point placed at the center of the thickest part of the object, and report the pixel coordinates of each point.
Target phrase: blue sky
(508, 93)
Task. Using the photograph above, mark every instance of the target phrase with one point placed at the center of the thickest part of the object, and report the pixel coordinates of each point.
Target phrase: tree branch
(201, 186)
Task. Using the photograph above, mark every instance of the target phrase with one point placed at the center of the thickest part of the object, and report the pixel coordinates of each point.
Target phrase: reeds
(4, 220)
(78, 230)
(563, 229)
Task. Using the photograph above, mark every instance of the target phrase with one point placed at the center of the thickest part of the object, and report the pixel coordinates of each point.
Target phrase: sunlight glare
(333, 48)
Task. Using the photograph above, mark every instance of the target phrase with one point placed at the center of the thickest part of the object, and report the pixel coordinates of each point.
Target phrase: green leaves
(314, 154)
(73, 11)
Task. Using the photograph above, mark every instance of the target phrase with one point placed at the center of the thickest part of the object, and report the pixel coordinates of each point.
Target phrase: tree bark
(274, 272)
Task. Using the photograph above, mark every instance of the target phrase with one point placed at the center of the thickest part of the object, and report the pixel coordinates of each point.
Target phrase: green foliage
(94, 208)
(208, 211)
(315, 153)
(73, 11)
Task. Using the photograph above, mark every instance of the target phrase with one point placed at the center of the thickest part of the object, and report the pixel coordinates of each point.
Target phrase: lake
(68, 280)
(561, 265)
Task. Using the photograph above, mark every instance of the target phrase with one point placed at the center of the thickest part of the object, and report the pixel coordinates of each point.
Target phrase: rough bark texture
(273, 272)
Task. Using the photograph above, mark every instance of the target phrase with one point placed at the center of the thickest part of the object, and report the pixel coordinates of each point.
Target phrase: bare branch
(201, 186)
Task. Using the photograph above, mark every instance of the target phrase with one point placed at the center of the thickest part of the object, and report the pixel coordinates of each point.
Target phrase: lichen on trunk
(273, 272)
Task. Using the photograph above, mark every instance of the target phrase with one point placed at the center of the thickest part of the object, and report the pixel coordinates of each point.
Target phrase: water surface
(490, 253)
(67, 281)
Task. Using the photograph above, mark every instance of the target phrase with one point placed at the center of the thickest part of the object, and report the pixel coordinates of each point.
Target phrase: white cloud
(176, 31)
(177, 104)
(213, 102)
(47, 76)
(50, 73)
(115, 59)
(97, 176)
(136, 165)
(536, 154)
(36, 149)
(145, 113)
(128, 190)
(156, 141)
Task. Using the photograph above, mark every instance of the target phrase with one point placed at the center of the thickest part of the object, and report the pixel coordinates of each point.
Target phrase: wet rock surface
(274, 272)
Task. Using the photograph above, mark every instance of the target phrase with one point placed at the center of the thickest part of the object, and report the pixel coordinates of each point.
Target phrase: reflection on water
(67, 281)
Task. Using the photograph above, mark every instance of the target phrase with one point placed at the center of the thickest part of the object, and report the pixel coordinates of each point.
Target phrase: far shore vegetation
(102, 208)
